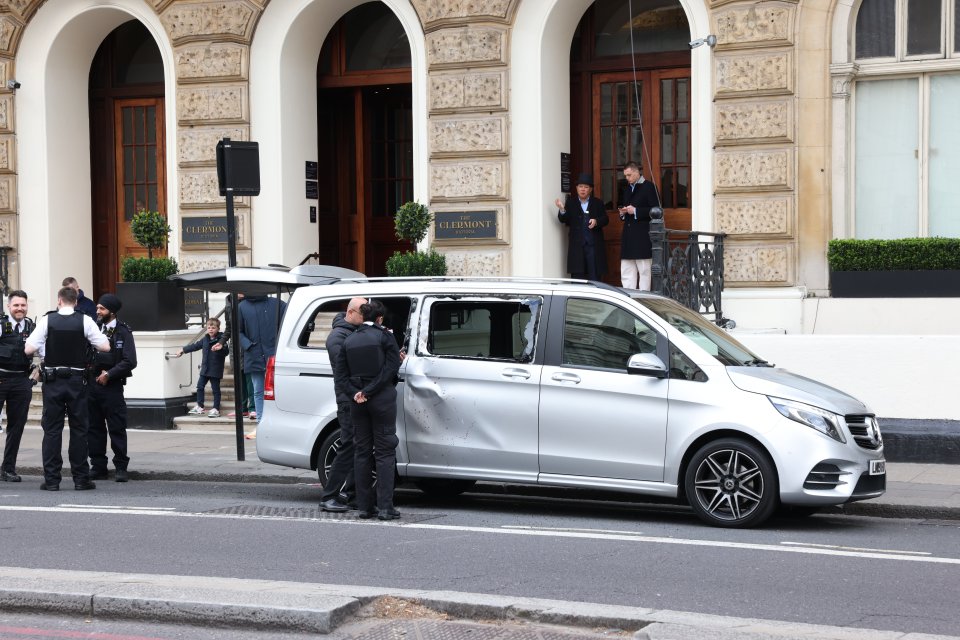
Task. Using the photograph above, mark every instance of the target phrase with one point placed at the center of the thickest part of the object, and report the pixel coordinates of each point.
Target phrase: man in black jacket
(371, 359)
(63, 338)
(16, 387)
(636, 250)
(106, 404)
(341, 477)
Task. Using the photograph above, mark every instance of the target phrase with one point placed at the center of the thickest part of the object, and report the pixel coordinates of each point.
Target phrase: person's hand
(403, 355)
(103, 378)
(592, 223)
(179, 353)
(559, 203)
(359, 398)
(216, 347)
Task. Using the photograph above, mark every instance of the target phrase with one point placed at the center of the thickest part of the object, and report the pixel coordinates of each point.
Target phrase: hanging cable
(636, 97)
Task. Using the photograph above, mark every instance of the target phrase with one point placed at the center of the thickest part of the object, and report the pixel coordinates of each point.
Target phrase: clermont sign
(465, 225)
(206, 230)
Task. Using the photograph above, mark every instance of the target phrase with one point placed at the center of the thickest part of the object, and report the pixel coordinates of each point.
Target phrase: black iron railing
(688, 267)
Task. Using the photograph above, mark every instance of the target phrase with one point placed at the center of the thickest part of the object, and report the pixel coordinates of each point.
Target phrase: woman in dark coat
(585, 216)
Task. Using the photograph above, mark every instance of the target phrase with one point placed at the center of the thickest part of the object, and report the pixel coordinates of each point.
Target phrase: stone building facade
(491, 115)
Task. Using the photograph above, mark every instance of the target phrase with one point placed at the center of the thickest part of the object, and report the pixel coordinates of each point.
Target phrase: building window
(906, 139)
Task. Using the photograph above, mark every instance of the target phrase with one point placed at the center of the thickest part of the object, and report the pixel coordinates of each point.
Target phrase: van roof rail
(506, 279)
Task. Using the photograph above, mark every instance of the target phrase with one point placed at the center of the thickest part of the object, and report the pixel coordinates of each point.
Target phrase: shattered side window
(482, 329)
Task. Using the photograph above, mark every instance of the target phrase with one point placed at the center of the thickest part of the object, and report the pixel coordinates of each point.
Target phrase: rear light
(268, 393)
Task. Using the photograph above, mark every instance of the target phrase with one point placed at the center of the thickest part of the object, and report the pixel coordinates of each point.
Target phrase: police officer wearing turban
(107, 406)
(63, 339)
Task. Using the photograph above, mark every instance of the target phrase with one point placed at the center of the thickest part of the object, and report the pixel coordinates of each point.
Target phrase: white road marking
(837, 546)
(88, 507)
(532, 531)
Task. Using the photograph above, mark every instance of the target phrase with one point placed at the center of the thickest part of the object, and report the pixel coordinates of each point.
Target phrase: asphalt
(914, 490)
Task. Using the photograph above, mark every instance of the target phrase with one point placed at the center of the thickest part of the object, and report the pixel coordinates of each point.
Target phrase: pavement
(914, 490)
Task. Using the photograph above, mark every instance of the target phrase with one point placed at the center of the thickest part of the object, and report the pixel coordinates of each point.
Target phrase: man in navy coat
(258, 323)
(586, 216)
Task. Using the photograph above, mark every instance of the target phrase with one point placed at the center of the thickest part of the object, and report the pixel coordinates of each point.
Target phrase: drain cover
(307, 513)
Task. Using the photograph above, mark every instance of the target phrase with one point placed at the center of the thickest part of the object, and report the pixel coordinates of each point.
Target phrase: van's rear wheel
(732, 483)
(441, 488)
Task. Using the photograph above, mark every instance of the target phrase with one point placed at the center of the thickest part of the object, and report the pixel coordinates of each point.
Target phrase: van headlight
(825, 422)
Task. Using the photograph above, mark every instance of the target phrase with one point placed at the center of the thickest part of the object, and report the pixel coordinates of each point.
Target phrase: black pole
(234, 310)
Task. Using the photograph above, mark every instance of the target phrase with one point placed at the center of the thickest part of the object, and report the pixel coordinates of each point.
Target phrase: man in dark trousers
(636, 250)
(586, 217)
(342, 477)
(107, 406)
(371, 359)
(16, 387)
(63, 338)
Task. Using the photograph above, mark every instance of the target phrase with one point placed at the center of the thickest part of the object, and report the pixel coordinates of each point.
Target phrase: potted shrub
(151, 302)
(411, 223)
(903, 268)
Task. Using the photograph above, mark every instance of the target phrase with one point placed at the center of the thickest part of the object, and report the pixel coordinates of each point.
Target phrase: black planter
(895, 284)
(152, 306)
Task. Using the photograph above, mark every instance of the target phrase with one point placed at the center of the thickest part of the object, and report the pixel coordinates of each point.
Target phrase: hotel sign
(465, 225)
(206, 230)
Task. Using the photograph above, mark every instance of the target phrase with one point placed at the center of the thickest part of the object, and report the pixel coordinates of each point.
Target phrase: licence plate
(878, 467)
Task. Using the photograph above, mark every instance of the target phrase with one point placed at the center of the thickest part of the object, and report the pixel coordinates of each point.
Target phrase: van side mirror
(646, 364)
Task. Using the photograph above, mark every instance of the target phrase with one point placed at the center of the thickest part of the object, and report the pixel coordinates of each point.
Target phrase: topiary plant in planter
(901, 268)
(151, 302)
(411, 223)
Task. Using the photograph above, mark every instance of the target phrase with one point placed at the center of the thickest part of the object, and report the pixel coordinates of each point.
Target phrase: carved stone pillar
(755, 136)
(841, 81)
(468, 137)
(211, 42)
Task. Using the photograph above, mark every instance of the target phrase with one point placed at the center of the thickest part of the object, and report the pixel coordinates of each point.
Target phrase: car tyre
(328, 451)
(732, 483)
(442, 488)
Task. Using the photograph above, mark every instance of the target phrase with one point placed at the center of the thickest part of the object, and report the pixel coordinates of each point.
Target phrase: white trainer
(214, 413)
(196, 411)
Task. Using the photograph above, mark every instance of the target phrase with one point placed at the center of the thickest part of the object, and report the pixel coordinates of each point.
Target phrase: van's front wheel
(328, 451)
(732, 483)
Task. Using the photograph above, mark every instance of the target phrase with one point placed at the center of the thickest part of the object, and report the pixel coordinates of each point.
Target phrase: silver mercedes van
(575, 384)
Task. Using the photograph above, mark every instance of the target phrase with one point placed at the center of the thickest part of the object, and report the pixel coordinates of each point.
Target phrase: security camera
(13, 85)
(710, 41)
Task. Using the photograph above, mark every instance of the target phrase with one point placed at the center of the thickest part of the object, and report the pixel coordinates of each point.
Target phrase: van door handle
(566, 377)
(515, 373)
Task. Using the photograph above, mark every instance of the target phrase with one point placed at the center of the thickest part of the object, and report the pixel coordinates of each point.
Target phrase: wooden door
(646, 121)
(139, 165)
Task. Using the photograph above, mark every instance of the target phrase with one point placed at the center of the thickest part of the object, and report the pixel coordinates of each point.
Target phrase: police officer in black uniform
(108, 408)
(371, 359)
(16, 387)
(63, 339)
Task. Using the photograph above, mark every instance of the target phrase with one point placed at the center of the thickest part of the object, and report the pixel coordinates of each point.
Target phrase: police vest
(12, 355)
(364, 352)
(66, 344)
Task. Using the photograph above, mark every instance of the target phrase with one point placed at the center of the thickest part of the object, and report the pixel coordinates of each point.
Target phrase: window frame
(424, 328)
(948, 46)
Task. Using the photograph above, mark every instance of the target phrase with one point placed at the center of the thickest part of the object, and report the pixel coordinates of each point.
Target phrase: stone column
(755, 162)
(211, 43)
(467, 47)
(14, 15)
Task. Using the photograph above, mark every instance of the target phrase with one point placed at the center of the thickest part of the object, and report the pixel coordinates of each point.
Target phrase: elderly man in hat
(586, 217)
(107, 406)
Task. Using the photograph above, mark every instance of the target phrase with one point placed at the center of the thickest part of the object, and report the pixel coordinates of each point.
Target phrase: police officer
(63, 339)
(107, 407)
(341, 476)
(16, 387)
(371, 359)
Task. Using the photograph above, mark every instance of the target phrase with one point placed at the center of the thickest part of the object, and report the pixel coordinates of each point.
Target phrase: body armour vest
(12, 356)
(364, 353)
(66, 344)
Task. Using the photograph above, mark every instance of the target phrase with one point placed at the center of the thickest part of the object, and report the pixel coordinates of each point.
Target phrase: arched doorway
(364, 138)
(127, 145)
(630, 100)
